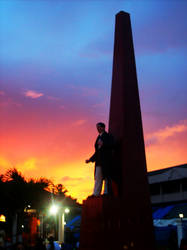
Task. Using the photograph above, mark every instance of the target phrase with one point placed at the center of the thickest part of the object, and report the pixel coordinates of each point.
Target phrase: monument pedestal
(110, 223)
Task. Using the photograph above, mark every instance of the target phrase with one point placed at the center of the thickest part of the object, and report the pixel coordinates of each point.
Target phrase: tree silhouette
(17, 192)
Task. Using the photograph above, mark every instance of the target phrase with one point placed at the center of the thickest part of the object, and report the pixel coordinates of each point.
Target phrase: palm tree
(17, 193)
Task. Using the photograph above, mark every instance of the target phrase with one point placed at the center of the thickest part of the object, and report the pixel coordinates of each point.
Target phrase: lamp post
(180, 229)
(54, 210)
(61, 226)
(181, 216)
(62, 223)
(61, 212)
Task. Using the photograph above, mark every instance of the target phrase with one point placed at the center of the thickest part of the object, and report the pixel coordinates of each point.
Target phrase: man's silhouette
(103, 160)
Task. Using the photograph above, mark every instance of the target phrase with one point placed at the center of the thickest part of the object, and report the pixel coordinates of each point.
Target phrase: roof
(168, 174)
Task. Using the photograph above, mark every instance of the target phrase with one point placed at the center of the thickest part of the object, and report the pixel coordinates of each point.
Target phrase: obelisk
(122, 221)
(125, 122)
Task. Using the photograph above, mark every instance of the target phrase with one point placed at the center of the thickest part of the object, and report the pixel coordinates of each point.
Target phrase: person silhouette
(103, 160)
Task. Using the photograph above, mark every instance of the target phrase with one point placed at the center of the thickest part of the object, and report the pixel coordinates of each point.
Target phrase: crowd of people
(40, 244)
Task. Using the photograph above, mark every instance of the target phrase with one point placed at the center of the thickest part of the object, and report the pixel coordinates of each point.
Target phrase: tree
(17, 192)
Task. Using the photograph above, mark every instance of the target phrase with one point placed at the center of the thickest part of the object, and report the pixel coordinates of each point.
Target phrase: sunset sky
(55, 79)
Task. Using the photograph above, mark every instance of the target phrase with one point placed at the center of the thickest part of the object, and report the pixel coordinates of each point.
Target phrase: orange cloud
(27, 165)
(167, 147)
(79, 122)
(33, 94)
(167, 132)
(68, 178)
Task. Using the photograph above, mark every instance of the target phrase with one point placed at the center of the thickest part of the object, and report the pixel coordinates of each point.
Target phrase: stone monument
(124, 220)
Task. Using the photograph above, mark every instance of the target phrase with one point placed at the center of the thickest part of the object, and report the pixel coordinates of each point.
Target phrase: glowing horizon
(56, 69)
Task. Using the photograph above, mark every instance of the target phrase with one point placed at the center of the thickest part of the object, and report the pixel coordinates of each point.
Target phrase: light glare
(67, 210)
(54, 209)
(2, 218)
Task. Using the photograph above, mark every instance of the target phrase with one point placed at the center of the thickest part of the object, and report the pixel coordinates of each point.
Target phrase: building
(168, 185)
(168, 190)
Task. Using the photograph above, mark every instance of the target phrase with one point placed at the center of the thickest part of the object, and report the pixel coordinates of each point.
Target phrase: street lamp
(181, 216)
(55, 209)
(67, 210)
(180, 229)
(62, 223)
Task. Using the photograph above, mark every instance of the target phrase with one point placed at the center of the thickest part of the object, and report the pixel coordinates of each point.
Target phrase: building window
(184, 185)
(155, 189)
(171, 187)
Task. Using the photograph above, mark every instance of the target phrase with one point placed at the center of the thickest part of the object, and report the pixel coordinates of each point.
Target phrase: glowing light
(38, 222)
(54, 209)
(67, 210)
(2, 218)
(181, 216)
